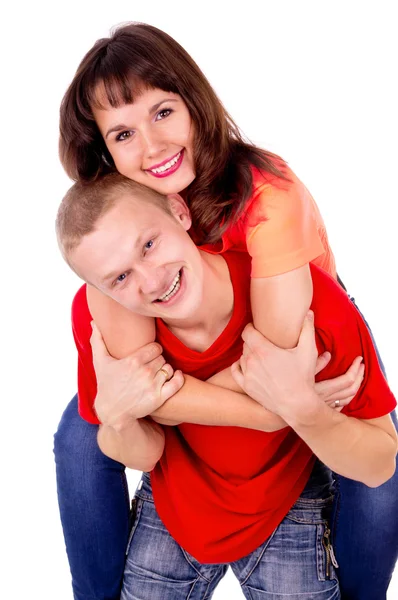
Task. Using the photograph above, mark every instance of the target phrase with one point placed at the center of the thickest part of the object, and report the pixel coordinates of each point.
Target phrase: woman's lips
(159, 173)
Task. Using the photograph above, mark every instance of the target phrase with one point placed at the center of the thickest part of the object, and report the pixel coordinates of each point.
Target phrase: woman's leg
(94, 506)
(157, 568)
(365, 537)
(365, 533)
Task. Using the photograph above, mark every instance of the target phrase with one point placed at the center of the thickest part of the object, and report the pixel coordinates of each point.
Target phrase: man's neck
(216, 308)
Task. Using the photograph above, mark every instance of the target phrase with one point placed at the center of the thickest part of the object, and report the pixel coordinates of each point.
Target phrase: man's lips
(169, 288)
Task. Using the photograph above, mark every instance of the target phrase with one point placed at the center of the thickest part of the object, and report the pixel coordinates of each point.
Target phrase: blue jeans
(293, 561)
(94, 507)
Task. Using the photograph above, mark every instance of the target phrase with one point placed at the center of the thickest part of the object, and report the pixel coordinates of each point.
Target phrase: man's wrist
(305, 411)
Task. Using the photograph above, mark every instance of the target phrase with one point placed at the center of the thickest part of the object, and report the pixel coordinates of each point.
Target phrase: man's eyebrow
(123, 127)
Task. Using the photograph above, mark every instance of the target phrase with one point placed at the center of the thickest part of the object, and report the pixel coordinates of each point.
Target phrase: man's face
(144, 259)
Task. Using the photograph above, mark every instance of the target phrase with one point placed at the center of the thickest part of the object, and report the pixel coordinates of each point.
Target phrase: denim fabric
(92, 494)
(293, 561)
(365, 531)
(94, 506)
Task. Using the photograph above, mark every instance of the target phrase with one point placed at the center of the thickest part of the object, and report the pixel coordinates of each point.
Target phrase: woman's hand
(339, 391)
(133, 387)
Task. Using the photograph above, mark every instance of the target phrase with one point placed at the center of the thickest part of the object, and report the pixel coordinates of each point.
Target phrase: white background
(314, 81)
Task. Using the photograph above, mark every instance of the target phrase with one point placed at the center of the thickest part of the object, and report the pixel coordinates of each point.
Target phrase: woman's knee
(74, 435)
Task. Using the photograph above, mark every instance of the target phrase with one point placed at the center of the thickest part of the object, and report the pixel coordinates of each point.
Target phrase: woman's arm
(122, 330)
(280, 303)
(203, 403)
(198, 402)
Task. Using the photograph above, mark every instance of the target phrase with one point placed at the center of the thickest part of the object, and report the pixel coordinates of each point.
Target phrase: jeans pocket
(135, 513)
(330, 562)
(316, 514)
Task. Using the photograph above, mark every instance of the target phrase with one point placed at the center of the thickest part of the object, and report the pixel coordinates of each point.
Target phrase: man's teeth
(173, 289)
(168, 165)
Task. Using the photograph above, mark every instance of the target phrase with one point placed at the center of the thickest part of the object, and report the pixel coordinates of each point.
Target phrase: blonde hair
(86, 202)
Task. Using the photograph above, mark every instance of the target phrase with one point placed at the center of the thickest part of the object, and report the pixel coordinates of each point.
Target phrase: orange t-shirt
(281, 228)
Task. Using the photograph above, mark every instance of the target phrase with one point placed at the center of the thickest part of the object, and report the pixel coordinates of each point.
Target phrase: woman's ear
(180, 210)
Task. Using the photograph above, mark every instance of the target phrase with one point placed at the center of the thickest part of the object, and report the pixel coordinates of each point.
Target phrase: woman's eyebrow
(115, 128)
(154, 108)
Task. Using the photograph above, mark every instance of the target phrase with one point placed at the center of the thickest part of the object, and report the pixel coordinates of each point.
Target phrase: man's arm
(282, 381)
(361, 450)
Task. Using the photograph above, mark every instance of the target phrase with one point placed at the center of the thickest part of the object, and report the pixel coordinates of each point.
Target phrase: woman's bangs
(114, 89)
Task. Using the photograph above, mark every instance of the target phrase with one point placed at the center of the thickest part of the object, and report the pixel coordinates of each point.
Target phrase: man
(219, 491)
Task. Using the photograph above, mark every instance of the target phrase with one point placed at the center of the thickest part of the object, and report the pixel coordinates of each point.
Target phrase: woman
(167, 129)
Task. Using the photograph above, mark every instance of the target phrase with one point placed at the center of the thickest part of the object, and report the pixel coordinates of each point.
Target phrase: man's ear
(180, 210)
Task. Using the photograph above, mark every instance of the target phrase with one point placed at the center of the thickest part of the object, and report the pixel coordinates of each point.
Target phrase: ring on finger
(336, 403)
(165, 373)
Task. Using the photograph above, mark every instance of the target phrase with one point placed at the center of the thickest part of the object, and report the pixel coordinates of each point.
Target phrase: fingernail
(310, 315)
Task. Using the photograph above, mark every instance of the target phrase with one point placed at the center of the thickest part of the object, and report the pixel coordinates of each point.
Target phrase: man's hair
(86, 202)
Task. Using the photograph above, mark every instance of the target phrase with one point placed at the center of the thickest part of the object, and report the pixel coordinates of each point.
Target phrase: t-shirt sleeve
(86, 379)
(282, 231)
(347, 338)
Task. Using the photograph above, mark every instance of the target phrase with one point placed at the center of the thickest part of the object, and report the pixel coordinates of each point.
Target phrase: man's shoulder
(80, 314)
(79, 303)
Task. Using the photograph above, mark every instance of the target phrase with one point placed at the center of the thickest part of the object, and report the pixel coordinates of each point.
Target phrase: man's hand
(280, 380)
(133, 387)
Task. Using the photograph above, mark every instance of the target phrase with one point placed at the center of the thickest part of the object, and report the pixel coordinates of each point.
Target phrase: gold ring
(165, 373)
(336, 403)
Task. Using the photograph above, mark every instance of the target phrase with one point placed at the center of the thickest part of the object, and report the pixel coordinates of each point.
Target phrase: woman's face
(150, 140)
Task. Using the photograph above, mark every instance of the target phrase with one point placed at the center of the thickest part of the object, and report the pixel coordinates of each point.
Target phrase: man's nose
(150, 280)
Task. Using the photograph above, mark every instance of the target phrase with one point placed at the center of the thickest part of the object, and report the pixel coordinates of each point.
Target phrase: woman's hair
(138, 56)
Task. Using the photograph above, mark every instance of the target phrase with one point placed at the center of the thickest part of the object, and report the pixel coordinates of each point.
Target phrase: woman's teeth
(168, 165)
(173, 289)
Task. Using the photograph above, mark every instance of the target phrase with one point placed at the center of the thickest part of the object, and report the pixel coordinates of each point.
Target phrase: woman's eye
(163, 114)
(121, 278)
(121, 137)
(148, 245)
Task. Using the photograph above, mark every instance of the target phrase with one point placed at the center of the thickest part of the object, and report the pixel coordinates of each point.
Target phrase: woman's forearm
(361, 450)
(204, 403)
(138, 446)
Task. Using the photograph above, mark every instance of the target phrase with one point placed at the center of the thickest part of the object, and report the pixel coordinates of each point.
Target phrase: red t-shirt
(221, 491)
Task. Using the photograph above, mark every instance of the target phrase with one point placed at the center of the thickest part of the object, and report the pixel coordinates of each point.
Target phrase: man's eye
(163, 114)
(148, 245)
(121, 278)
(124, 136)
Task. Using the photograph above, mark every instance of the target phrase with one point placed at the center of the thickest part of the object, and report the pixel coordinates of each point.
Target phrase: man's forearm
(350, 447)
(139, 446)
(204, 403)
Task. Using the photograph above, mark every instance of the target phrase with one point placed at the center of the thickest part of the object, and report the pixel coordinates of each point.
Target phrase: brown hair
(134, 56)
(86, 202)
